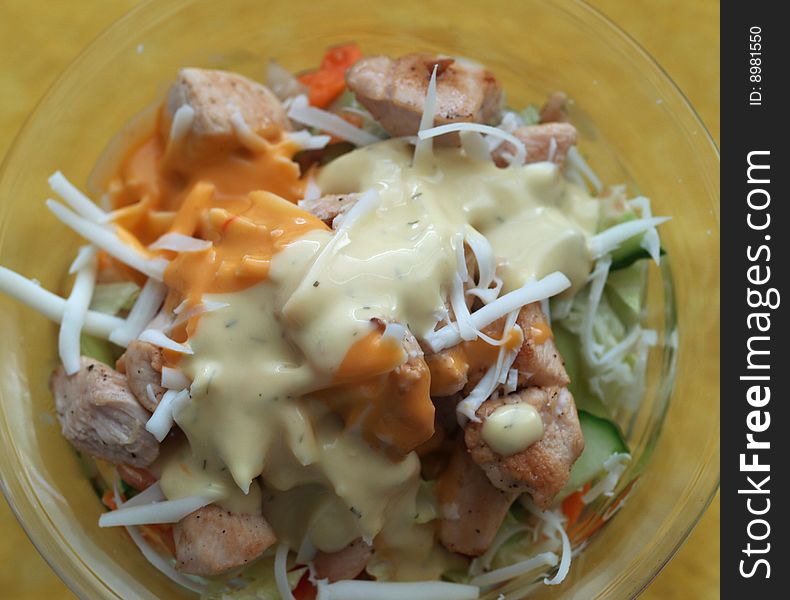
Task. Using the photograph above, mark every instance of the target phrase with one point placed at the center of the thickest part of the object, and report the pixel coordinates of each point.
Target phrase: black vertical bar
(755, 260)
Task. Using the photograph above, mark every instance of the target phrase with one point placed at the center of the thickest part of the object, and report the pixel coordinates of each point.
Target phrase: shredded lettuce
(109, 298)
(112, 298)
(530, 115)
(257, 581)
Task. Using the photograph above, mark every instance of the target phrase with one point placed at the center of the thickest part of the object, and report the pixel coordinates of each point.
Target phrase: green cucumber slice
(602, 438)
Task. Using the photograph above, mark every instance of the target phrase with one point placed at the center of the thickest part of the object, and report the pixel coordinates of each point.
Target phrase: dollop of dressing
(512, 428)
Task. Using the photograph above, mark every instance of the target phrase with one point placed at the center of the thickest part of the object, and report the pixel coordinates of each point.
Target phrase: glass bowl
(635, 127)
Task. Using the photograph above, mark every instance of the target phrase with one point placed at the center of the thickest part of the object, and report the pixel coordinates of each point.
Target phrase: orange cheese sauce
(389, 399)
(243, 202)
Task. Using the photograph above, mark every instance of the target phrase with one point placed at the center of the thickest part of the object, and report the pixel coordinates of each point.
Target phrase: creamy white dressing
(256, 362)
(512, 428)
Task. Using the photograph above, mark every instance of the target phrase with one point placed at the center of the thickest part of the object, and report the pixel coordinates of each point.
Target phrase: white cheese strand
(74, 312)
(650, 241)
(521, 150)
(475, 146)
(301, 112)
(614, 466)
(79, 202)
(530, 292)
(281, 572)
(84, 255)
(423, 151)
(151, 494)
(610, 239)
(109, 242)
(306, 141)
(161, 422)
(577, 162)
(179, 128)
(51, 305)
(145, 308)
(158, 338)
(545, 559)
(590, 348)
(156, 513)
(173, 379)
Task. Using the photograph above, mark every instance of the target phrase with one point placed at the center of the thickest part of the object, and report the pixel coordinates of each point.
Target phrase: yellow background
(38, 38)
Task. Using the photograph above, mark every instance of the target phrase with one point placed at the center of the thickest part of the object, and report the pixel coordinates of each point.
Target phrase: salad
(360, 332)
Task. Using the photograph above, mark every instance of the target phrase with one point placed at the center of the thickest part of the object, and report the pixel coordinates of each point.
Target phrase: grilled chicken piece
(394, 90)
(472, 509)
(330, 206)
(538, 142)
(344, 564)
(215, 96)
(142, 363)
(212, 541)
(449, 371)
(544, 467)
(538, 360)
(555, 109)
(100, 416)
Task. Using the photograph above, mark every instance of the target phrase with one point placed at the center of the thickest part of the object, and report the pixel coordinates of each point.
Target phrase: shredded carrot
(573, 506)
(108, 499)
(139, 479)
(328, 81)
(160, 537)
(304, 590)
(587, 527)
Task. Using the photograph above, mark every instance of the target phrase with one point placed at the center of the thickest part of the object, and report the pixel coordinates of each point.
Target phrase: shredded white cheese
(79, 202)
(577, 162)
(307, 141)
(168, 511)
(245, 134)
(614, 466)
(311, 189)
(158, 338)
(179, 242)
(610, 239)
(301, 112)
(145, 308)
(161, 422)
(151, 494)
(521, 151)
(173, 379)
(193, 311)
(545, 559)
(475, 146)
(84, 255)
(650, 241)
(51, 305)
(74, 312)
(532, 291)
(109, 242)
(179, 128)
(423, 151)
(281, 572)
